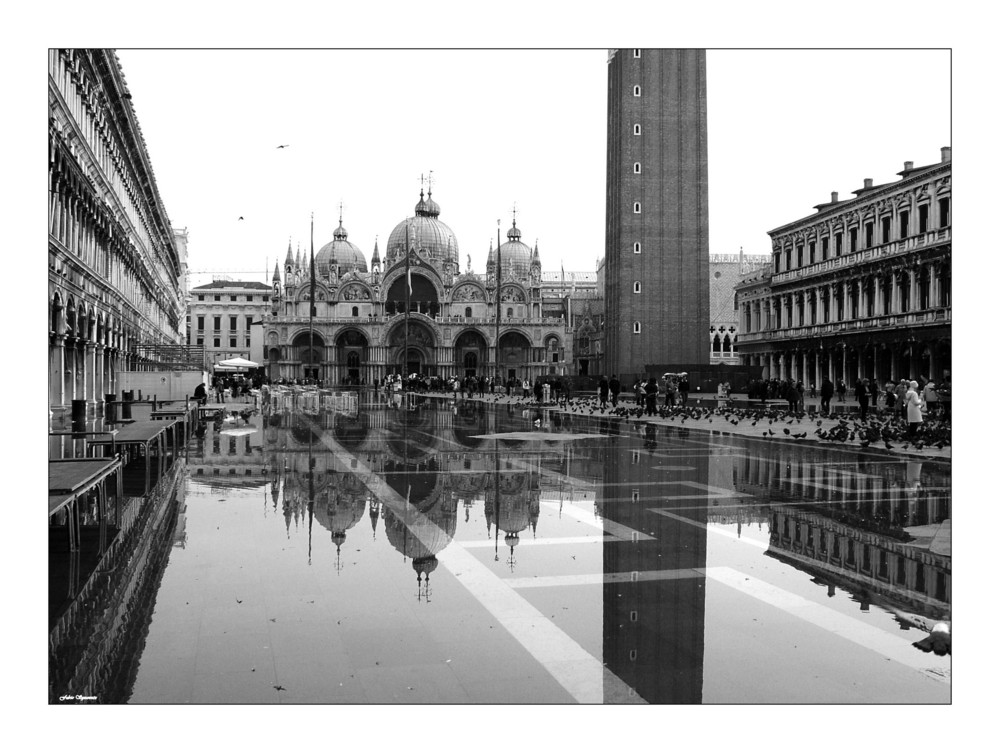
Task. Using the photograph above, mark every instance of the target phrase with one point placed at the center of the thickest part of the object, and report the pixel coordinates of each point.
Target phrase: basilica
(360, 331)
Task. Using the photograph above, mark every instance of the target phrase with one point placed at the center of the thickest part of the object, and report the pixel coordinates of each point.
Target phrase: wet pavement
(464, 552)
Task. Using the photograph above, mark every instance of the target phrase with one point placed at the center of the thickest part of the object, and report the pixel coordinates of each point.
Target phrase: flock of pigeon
(877, 430)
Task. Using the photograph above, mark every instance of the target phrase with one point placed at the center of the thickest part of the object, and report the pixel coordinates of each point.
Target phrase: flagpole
(312, 293)
(499, 279)
(406, 314)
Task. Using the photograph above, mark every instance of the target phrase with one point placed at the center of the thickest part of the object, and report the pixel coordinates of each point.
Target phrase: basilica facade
(360, 330)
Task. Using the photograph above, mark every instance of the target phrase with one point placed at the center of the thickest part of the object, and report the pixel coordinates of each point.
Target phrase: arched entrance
(514, 351)
(423, 297)
(471, 353)
(309, 358)
(352, 357)
(412, 353)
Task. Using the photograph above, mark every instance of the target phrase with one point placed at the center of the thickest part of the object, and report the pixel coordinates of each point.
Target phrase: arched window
(470, 361)
(637, 208)
(637, 248)
(717, 345)
(637, 168)
(468, 312)
(636, 287)
(510, 313)
(354, 310)
(727, 346)
(636, 328)
(637, 130)
(637, 91)
(353, 360)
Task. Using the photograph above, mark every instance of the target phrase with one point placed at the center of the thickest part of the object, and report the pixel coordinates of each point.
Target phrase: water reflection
(415, 480)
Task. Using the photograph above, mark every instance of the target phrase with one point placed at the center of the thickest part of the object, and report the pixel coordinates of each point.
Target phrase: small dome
(339, 256)
(432, 208)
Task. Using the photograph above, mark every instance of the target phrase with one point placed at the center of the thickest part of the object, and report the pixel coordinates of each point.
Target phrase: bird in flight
(283, 146)
(241, 217)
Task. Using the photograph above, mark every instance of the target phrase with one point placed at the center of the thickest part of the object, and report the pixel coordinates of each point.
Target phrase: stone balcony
(830, 329)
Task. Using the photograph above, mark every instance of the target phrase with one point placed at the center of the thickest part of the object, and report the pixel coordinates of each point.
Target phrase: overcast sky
(785, 128)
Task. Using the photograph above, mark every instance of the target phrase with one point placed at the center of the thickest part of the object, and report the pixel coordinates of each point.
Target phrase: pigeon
(241, 217)
(938, 641)
(283, 146)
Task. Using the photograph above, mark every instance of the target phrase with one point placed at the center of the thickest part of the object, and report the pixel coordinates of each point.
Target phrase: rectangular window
(267, 298)
(826, 248)
(854, 239)
(922, 218)
(869, 234)
(232, 324)
(249, 299)
(232, 342)
(232, 298)
(555, 358)
(217, 297)
(788, 258)
(217, 322)
(201, 298)
(200, 341)
(886, 227)
(838, 242)
(944, 212)
(249, 322)
(247, 344)
(798, 256)
(215, 342)
(812, 252)
(201, 322)
(904, 224)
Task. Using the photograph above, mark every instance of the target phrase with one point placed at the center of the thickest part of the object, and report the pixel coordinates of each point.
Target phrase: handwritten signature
(78, 698)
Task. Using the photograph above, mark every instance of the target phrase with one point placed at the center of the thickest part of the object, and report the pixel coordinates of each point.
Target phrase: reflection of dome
(431, 234)
(339, 256)
(423, 538)
(515, 257)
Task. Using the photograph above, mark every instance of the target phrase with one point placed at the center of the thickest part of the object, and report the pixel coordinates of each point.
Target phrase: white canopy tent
(235, 364)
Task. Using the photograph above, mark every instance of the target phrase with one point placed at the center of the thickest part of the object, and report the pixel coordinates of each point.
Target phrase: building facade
(114, 275)
(222, 315)
(359, 326)
(725, 272)
(656, 240)
(860, 289)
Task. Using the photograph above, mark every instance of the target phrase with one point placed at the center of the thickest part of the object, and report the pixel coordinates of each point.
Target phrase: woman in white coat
(914, 406)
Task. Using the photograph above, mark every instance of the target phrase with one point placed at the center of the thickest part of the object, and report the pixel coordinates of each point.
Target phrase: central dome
(339, 256)
(430, 233)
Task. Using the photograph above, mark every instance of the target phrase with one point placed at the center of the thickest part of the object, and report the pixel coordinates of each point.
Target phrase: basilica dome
(339, 256)
(515, 257)
(430, 233)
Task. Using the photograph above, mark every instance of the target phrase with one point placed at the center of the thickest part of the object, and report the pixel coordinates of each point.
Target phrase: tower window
(637, 168)
(637, 91)
(637, 208)
(636, 248)
(636, 328)
(637, 130)
(636, 287)
(637, 53)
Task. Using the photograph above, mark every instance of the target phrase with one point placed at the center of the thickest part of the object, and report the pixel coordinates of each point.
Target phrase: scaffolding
(171, 357)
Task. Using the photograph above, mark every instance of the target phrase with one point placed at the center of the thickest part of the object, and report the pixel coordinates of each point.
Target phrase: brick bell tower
(656, 239)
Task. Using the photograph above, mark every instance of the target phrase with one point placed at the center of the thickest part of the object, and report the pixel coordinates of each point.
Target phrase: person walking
(615, 387)
(793, 396)
(825, 396)
(901, 389)
(930, 397)
(914, 410)
(841, 389)
(862, 393)
(602, 391)
(684, 387)
(640, 392)
(890, 397)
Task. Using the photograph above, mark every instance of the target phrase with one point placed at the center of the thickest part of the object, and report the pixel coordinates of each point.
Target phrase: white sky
(786, 127)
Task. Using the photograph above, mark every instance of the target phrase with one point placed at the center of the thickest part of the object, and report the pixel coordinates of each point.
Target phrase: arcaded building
(861, 288)
(359, 327)
(115, 301)
(656, 239)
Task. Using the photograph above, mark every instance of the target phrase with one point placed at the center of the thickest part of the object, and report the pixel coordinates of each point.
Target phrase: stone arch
(471, 350)
(352, 355)
(512, 292)
(57, 321)
(469, 291)
(71, 323)
(355, 290)
(425, 297)
(514, 353)
(419, 351)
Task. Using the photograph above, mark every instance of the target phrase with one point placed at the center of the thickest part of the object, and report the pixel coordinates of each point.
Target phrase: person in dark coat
(200, 394)
(793, 396)
(862, 393)
(651, 390)
(615, 387)
(841, 389)
(602, 391)
(684, 387)
(825, 396)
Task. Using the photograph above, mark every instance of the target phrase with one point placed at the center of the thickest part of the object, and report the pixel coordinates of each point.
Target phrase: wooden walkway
(72, 480)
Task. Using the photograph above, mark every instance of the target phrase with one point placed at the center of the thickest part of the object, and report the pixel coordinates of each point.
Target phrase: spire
(277, 272)
(289, 261)
(375, 256)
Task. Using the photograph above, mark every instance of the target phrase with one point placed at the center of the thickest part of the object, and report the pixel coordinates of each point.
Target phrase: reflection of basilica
(359, 333)
(430, 456)
(847, 525)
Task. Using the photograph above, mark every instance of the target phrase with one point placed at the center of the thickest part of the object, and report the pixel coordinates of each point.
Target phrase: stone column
(914, 289)
(99, 375)
(894, 301)
(58, 365)
(932, 293)
(89, 373)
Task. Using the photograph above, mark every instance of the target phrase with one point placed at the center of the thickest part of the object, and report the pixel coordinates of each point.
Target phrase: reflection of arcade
(859, 541)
